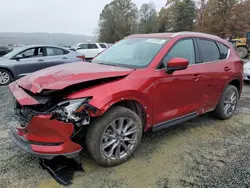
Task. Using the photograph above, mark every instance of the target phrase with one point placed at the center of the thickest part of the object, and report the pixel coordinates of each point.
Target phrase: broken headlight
(72, 111)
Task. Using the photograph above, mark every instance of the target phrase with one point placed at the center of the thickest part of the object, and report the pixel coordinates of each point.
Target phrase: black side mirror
(17, 58)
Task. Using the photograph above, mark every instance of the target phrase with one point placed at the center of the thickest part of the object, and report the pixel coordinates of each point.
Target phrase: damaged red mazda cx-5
(144, 82)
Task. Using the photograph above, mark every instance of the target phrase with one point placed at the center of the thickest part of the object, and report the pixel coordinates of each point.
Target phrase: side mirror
(17, 58)
(176, 64)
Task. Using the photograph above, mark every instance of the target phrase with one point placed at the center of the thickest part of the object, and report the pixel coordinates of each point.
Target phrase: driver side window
(30, 53)
(183, 49)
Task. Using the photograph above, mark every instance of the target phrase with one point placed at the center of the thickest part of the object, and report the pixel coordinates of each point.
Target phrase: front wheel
(5, 77)
(113, 138)
(228, 103)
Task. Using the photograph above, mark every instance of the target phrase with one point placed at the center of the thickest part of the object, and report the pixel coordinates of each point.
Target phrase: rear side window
(103, 45)
(82, 46)
(223, 50)
(54, 51)
(183, 49)
(209, 50)
(92, 46)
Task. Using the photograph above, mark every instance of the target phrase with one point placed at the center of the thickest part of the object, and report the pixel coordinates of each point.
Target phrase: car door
(55, 56)
(29, 60)
(94, 50)
(179, 94)
(83, 50)
(216, 67)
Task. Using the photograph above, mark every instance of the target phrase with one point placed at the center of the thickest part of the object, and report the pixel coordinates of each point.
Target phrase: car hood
(62, 76)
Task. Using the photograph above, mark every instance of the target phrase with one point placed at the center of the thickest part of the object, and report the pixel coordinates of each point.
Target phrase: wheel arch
(9, 70)
(134, 100)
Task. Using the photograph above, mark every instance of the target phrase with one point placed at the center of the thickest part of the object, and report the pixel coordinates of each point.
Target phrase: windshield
(132, 52)
(13, 53)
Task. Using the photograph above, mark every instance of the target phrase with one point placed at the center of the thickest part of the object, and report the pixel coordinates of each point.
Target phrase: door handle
(196, 77)
(40, 60)
(227, 69)
(64, 58)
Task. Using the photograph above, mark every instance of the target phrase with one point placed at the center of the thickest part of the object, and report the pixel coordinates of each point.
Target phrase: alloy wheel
(230, 103)
(4, 77)
(119, 138)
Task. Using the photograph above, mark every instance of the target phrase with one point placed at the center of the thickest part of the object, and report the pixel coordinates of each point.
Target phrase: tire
(5, 77)
(220, 111)
(96, 141)
(243, 52)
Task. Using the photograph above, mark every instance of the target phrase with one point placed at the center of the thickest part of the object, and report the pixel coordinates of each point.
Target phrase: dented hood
(62, 76)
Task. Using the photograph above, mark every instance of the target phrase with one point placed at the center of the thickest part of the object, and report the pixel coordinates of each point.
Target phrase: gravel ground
(204, 152)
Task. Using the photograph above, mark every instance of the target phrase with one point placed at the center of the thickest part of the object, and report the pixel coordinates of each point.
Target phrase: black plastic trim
(173, 122)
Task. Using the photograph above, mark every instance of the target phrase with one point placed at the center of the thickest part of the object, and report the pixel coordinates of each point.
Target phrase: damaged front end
(52, 126)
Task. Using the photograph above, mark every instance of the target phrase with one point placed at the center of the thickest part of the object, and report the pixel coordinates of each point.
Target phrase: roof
(172, 35)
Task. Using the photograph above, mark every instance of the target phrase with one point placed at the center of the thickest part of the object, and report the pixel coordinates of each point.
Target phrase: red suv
(143, 82)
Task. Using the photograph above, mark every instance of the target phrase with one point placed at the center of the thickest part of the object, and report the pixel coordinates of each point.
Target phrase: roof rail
(192, 32)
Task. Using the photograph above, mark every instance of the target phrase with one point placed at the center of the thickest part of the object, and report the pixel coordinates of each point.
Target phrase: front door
(178, 94)
(29, 61)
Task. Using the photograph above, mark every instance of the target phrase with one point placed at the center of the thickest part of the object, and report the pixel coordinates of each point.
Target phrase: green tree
(117, 20)
(178, 15)
(148, 18)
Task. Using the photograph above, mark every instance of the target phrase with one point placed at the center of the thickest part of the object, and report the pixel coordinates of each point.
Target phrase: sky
(55, 16)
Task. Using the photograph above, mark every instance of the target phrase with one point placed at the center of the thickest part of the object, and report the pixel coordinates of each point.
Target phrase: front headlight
(72, 111)
(73, 105)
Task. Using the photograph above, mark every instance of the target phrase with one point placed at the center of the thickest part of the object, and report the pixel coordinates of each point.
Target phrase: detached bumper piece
(61, 169)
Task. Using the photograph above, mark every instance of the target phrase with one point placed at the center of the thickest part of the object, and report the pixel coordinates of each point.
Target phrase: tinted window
(183, 49)
(223, 50)
(209, 50)
(83, 46)
(54, 51)
(103, 45)
(92, 46)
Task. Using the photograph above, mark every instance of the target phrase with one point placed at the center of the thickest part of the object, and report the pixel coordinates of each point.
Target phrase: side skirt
(173, 122)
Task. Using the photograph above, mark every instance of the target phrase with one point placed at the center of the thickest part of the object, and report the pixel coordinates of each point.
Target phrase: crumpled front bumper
(39, 135)
(26, 146)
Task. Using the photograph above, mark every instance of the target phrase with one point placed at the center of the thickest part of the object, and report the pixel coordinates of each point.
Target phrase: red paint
(177, 62)
(61, 76)
(163, 96)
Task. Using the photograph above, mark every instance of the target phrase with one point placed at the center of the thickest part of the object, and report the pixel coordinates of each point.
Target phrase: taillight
(81, 57)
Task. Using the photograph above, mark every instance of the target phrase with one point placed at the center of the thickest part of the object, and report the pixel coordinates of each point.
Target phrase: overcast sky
(55, 16)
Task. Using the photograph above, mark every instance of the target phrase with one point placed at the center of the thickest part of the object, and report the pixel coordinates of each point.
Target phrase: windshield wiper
(107, 64)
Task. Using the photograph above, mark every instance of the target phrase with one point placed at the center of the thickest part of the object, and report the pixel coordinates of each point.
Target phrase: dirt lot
(204, 152)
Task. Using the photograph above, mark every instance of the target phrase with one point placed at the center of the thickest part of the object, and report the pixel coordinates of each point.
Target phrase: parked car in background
(4, 50)
(247, 71)
(89, 50)
(28, 59)
(144, 82)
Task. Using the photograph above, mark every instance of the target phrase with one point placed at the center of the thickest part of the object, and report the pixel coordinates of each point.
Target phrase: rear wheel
(112, 138)
(243, 52)
(5, 77)
(228, 103)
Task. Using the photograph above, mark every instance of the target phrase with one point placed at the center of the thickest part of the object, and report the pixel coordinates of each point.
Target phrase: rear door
(216, 67)
(55, 56)
(29, 61)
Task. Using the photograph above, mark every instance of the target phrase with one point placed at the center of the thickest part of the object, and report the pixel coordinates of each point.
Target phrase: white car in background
(89, 50)
(247, 71)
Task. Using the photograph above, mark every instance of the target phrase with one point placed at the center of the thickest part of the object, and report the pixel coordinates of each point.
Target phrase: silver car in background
(28, 59)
